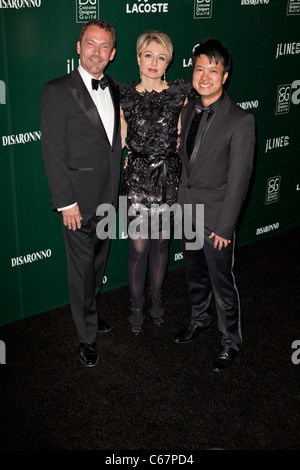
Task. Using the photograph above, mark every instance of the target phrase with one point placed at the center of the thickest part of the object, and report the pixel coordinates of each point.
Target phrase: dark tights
(137, 265)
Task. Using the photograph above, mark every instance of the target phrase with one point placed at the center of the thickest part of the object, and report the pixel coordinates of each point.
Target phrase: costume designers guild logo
(293, 7)
(87, 10)
(144, 7)
(273, 187)
(285, 94)
(202, 9)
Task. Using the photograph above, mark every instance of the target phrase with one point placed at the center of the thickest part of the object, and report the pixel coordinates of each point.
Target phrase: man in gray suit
(217, 149)
(81, 147)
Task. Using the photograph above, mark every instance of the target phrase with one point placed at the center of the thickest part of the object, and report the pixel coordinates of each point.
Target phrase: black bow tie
(103, 83)
(199, 108)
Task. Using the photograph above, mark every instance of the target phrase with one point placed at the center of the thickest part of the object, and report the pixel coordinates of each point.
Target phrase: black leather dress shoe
(88, 354)
(188, 334)
(224, 359)
(103, 327)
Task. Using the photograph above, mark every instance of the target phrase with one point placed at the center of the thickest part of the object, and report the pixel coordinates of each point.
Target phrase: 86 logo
(273, 187)
(286, 94)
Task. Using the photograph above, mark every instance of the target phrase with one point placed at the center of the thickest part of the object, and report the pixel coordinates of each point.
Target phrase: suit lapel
(185, 135)
(83, 98)
(198, 142)
(215, 123)
(114, 91)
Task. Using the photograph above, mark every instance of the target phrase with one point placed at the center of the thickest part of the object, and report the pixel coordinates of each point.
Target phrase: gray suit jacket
(220, 175)
(81, 164)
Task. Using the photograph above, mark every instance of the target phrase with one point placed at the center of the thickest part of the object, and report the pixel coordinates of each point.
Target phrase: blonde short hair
(157, 36)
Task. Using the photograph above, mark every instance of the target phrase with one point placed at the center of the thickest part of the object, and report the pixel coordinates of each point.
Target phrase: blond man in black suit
(81, 148)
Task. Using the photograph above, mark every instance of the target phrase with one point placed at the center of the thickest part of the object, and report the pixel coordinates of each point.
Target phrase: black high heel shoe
(156, 311)
(136, 320)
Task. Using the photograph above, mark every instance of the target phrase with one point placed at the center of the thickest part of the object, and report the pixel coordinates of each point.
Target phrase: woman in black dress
(150, 113)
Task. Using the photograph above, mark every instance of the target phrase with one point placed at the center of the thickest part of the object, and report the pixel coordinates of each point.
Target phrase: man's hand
(72, 217)
(219, 242)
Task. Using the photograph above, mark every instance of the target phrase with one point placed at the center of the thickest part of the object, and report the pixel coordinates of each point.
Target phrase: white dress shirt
(104, 104)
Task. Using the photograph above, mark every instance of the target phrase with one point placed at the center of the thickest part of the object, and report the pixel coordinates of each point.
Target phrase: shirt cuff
(67, 207)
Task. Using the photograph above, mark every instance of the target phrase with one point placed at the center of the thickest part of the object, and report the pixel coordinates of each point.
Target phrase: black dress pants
(210, 272)
(86, 259)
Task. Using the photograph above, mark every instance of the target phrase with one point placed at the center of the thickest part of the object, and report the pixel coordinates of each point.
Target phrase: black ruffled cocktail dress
(153, 170)
(150, 185)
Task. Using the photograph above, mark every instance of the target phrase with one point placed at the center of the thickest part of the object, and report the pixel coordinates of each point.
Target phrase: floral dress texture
(153, 168)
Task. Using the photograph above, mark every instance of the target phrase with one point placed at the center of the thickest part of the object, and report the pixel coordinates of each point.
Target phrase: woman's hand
(123, 129)
(126, 160)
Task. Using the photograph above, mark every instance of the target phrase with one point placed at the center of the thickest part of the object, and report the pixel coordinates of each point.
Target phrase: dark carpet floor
(150, 393)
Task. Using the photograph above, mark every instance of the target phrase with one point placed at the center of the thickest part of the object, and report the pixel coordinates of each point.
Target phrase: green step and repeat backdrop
(38, 42)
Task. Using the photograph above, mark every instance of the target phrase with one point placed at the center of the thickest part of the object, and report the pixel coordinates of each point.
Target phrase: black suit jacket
(81, 164)
(220, 175)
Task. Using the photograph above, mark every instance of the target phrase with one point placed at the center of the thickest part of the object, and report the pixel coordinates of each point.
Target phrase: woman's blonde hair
(157, 36)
